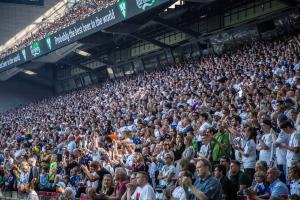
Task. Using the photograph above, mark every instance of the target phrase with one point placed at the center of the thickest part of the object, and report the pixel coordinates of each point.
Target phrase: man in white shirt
(293, 147)
(144, 191)
(283, 138)
(204, 122)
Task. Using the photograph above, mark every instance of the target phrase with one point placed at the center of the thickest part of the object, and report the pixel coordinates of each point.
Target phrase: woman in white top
(265, 141)
(248, 152)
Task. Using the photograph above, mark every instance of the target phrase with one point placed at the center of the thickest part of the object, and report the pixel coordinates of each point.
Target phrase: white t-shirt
(204, 126)
(265, 155)
(282, 138)
(205, 148)
(293, 142)
(249, 149)
(32, 196)
(93, 184)
(143, 193)
(238, 142)
(178, 193)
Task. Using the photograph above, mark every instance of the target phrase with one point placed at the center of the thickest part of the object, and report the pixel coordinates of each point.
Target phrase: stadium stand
(208, 127)
(235, 104)
(78, 11)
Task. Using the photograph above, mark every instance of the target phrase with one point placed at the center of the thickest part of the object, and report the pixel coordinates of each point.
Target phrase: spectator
(265, 142)
(293, 146)
(249, 152)
(107, 185)
(228, 191)
(220, 143)
(32, 195)
(239, 179)
(205, 186)
(144, 191)
(167, 173)
(131, 187)
(294, 177)
(260, 188)
(60, 188)
(277, 188)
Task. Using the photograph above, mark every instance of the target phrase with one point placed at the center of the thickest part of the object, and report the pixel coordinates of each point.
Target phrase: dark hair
(187, 173)
(236, 162)
(252, 132)
(226, 158)
(221, 168)
(267, 122)
(204, 115)
(186, 165)
(286, 124)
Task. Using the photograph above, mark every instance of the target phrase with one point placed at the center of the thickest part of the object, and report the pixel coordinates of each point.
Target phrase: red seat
(41, 193)
(83, 197)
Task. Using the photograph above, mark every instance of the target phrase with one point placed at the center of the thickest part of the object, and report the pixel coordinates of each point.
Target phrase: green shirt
(217, 151)
(53, 165)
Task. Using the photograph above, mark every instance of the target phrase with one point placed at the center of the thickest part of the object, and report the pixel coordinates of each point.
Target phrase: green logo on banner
(143, 4)
(123, 7)
(24, 54)
(35, 49)
(48, 41)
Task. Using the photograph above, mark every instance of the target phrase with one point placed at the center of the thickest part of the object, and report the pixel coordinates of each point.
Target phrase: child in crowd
(294, 177)
(260, 188)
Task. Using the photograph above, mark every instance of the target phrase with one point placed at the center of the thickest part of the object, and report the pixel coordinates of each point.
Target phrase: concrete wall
(16, 91)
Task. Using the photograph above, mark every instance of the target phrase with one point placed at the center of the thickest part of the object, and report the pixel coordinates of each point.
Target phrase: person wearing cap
(168, 171)
(60, 188)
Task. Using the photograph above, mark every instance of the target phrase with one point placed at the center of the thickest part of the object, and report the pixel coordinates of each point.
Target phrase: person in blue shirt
(260, 188)
(206, 187)
(277, 189)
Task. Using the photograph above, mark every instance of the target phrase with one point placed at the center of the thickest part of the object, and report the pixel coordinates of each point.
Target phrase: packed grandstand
(211, 127)
(80, 10)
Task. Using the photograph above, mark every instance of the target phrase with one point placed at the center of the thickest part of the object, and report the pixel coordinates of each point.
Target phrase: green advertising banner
(26, 2)
(122, 11)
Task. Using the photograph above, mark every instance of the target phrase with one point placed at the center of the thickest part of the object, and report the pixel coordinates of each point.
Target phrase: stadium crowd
(78, 11)
(216, 127)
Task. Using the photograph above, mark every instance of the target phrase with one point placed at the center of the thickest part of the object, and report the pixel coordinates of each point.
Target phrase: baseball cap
(61, 184)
